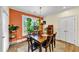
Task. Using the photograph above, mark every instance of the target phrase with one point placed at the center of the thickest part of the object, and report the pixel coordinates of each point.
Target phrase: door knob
(65, 31)
(3, 36)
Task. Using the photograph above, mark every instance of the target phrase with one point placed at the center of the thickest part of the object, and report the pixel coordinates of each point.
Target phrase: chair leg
(31, 46)
(50, 47)
(46, 49)
(28, 47)
(54, 43)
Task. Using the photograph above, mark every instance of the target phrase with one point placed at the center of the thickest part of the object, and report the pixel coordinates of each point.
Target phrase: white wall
(54, 19)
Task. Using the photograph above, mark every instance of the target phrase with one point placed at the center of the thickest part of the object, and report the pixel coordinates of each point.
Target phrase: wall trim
(18, 41)
(67, 42)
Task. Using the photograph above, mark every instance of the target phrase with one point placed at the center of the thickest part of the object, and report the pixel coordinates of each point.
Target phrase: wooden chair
(34, 45)
(53, 41)
(46, 43)
(30, 42)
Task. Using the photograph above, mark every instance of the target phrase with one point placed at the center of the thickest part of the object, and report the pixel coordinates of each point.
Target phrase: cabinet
(13, 35)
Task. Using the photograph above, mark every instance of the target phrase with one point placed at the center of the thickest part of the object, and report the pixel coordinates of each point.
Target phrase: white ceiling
(45, 10)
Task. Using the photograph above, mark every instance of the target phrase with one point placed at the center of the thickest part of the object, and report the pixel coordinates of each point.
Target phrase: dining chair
(31, 44)
(29, 41)
(46, 43)
(34, 46)
(53, 41)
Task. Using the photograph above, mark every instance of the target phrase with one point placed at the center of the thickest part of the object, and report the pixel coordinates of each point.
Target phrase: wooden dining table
(39, 39)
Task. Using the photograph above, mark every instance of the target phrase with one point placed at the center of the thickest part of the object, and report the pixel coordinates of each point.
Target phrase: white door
(67, 29)
(1, 38)
(61, 30)
(4, 34)
(5, 31)
(70, 30)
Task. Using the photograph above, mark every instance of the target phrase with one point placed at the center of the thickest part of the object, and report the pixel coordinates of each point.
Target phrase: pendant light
(44, 22)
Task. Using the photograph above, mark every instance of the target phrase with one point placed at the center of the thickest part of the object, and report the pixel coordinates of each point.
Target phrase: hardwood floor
(60, 47)
(69, 47)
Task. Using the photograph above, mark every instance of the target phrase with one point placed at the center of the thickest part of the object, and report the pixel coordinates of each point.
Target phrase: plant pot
(12, 36)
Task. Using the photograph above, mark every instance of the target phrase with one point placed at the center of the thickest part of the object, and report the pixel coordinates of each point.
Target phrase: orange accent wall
(15, 18)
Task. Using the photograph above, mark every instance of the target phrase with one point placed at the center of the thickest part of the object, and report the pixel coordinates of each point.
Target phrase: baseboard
(77, 45)
(68, 43)
(18, 41)
(65, 42)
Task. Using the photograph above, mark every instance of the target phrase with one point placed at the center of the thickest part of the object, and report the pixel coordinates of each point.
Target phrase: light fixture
(40, 10)
(64, 7)
(44, 22)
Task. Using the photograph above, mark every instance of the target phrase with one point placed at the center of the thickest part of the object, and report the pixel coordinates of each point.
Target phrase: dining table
(39, 39)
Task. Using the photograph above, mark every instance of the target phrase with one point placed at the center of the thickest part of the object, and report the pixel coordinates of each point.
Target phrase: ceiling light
(64, 7)
(40, 10)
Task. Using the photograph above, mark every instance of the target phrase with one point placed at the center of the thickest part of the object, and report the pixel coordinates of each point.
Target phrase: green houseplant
(13, 28)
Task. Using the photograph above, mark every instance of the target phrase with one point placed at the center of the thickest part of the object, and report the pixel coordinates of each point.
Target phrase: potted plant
(13, 28)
